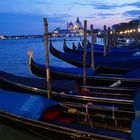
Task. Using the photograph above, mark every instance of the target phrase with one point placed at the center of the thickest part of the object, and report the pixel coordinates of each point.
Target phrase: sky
(25, 17)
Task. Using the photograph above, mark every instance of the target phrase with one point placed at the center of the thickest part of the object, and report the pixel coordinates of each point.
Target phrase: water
(13, 59)
(13, 54)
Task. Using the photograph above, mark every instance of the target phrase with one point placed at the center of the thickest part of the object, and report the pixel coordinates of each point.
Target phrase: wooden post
(109, 39)
(85, 53)
(116, 38)
(105, 40)
(92, 49)
(113, 38)
(48, 78)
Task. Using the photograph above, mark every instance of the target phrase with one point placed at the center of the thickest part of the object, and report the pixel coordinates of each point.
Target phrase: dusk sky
(19, 17)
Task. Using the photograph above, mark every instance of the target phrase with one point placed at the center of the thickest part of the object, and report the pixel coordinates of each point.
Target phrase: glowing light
(121, 32)
(125, 31)
(99, 33)
(139, 30)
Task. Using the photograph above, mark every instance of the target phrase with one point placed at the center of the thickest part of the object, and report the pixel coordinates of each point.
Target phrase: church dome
(70, 26)
(77, 24)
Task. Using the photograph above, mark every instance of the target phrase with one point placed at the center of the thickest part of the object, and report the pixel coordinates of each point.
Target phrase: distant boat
(99, 49)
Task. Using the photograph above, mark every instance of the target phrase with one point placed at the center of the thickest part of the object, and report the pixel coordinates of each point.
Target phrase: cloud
(29, 23)
(132, 13)
(136, 4)
(105, 15)
(101, 15)
(104, 6)
(83, 4)
(97, 5)
(58, 17)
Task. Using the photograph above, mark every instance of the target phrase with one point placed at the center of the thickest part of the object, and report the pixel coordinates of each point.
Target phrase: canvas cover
(25, 105)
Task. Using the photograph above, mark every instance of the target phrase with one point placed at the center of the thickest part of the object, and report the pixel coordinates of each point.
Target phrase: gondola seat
(65, 120)
(50, 115)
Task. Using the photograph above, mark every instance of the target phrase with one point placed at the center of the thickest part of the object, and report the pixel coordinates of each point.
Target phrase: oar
(48, 77)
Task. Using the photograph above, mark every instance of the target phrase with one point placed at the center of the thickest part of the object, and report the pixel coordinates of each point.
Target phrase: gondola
(73, 73)
(124, 62)
(54, 120)
(112, 75)
(131, 48)
(70, 91)
(73, 46)
(79, 46)
(99, 49)
(79, 49)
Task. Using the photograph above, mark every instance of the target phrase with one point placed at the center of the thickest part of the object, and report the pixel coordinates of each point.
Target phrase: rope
(73, 110)
(87, 116)
(113, 116)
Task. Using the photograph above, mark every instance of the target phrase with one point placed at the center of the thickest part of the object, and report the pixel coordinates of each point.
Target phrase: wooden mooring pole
(108, 40)
(92, 48)
(105, 40)
(85, 53)
(48, 76)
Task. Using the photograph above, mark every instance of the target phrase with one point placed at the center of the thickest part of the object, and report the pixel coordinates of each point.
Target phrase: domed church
(75, 26)
(73, 29)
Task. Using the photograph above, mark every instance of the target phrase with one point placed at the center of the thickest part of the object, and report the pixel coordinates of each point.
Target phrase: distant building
(125, 28)
(1, 36)
(75, 26)
(73, 29)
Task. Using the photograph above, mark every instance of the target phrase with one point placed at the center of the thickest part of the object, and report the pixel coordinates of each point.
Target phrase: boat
(100, 75)
(99, 49)
(70, 91)
(124, 62)
(63, 120)
(80, 46)
(72, 72)
(79, 49)
(73, 46)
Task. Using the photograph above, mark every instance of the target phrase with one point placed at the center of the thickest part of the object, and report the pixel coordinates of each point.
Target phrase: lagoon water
(13, 59)
(13, 54)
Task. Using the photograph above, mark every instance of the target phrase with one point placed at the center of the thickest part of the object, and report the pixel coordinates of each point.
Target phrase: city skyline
(26, 17)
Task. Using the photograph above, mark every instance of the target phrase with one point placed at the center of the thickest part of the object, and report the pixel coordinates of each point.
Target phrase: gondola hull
(125, 62)
(47, 127)
(99, 50)
(129, 78)
(121, 97)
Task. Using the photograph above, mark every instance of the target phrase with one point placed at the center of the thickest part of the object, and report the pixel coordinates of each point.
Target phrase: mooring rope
(87, 114)
(113, 115)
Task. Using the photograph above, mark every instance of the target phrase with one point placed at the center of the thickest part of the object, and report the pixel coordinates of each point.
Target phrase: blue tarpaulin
(25, 105)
